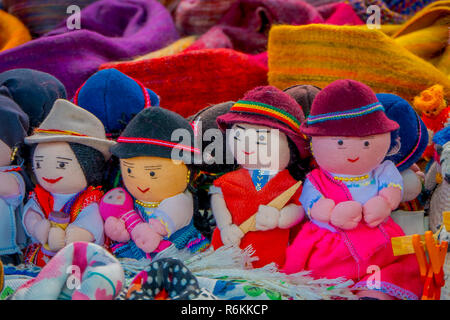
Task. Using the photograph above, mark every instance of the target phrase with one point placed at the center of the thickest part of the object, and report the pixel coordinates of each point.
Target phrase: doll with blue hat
(12, 186)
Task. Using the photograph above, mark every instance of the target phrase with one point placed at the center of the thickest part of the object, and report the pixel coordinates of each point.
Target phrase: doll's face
(5, 154)
(57, 169)
(153, 179)
(350, 155)
(257, 147)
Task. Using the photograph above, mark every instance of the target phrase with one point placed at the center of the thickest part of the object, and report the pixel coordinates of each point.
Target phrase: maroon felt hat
(271, 107)
(347, 108)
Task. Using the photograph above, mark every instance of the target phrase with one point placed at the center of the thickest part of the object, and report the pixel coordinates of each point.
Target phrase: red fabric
(190, 81)
(44, 199)
(436, 123)
(237, 188)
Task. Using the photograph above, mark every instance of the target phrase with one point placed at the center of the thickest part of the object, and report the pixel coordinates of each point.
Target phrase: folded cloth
(163, 279)
(110, 30)
(79, 271)
(190, 81)
(41, 16)
(245, 25)
(391, 11)
(319, 54)
(13, 32)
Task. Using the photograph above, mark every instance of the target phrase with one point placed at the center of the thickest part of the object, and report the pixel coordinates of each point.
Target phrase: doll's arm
(88, 226)
(34, 222)
(176, 212)
(290, 215)
(230, 233)
(9, 186)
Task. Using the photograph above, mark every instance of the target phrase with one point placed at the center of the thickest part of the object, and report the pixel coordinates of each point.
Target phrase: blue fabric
(260, 178)
(114, 98)
(400, 111)
(442, 136)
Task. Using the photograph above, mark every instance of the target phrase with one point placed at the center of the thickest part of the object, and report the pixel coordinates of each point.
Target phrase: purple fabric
(110, 30)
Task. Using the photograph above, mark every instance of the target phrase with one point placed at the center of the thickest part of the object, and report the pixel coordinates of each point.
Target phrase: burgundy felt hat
(271, 107)
(347, 108)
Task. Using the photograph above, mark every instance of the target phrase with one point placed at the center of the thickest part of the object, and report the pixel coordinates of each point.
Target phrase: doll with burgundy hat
(155, 210)
(350, 196)
(69, 152)
(12, 185)
(263, 136)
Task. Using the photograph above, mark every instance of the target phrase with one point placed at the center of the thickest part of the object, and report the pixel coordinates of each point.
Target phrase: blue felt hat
(114, 98)
(412, 132)
(442, 136)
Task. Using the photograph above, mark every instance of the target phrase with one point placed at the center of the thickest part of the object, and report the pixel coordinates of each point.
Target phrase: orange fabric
(13, 32)
(238, 188)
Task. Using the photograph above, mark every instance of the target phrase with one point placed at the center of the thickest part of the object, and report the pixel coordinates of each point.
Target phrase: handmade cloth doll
(349, 198)
(265, 140)
(304, 94)
(213, 162)
(114, 98)
(156, 209)
(434, 112)
(12, 186)
(69, 152)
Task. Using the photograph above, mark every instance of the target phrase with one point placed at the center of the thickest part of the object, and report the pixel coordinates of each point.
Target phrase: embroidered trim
(157, 142)
(417, 144)
(373, 107)
(56, 131)
(390, 289)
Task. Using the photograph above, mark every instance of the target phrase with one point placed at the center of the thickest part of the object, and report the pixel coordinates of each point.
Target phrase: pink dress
(349, 254)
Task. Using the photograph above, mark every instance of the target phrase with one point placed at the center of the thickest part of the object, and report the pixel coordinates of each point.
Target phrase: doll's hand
(56, 238)
(159, 228)
(376, 210)
(145, 237)
(41, 231)
(290, 216)
(115, 229)
(74, 234)
(346, 215)
(392, 195)
(231, 235)
(321, 210)
(8, 185)
(267, 218)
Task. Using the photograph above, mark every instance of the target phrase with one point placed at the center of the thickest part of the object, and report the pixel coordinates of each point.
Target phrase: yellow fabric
(173, 48)
(13, 32)
(319, 54)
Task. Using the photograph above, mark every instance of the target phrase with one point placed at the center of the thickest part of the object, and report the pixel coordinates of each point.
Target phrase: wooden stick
(278, 203)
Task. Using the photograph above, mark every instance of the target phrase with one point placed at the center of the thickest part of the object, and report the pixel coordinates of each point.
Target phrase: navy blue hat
(442, 136)
(114, 98)
(14, 125)
(412, 132)
(34, 91)
(151, 133)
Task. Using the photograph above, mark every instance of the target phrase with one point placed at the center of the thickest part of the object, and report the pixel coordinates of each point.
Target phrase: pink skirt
(354, 255)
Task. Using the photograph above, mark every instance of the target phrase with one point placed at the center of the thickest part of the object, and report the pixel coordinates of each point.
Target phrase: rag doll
(435, 112)
(156, 209)
(69, 151)
(263, 135)
(12, 186)
(216, 160)
(350, 196)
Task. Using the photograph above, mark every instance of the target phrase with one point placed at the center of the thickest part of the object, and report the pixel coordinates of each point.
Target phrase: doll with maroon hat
(350, 197)
(264, 138)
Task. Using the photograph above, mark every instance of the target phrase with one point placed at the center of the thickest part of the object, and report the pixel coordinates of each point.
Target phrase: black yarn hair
(91, 161)
(298, 167)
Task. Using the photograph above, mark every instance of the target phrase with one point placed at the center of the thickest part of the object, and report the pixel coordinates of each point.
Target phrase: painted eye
(238, 133)
(129, 170)
(62, 165)
(38, 165)
(340, 142)
(366, 143)
(262, 138)
(152, 173)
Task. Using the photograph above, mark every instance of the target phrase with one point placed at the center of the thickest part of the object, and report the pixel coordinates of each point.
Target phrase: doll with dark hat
(304, 94)
(12, 186)
(156, 209)
(69, 151)
(350, 196)
(263, 136)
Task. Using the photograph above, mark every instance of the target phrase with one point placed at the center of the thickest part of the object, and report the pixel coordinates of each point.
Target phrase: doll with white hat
(69, 151)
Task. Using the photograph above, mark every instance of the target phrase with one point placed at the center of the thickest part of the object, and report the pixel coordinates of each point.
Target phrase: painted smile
(52, 181)
(353, 160)
(248, 153)
(143, 191)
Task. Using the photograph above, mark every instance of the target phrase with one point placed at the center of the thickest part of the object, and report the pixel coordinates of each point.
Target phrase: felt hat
(34, 91)
(413, 133)
(70, 123)
(347, 108)
(150, 134)
(14, 125)
(271, 107)
(304, 94)
(114, 98)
